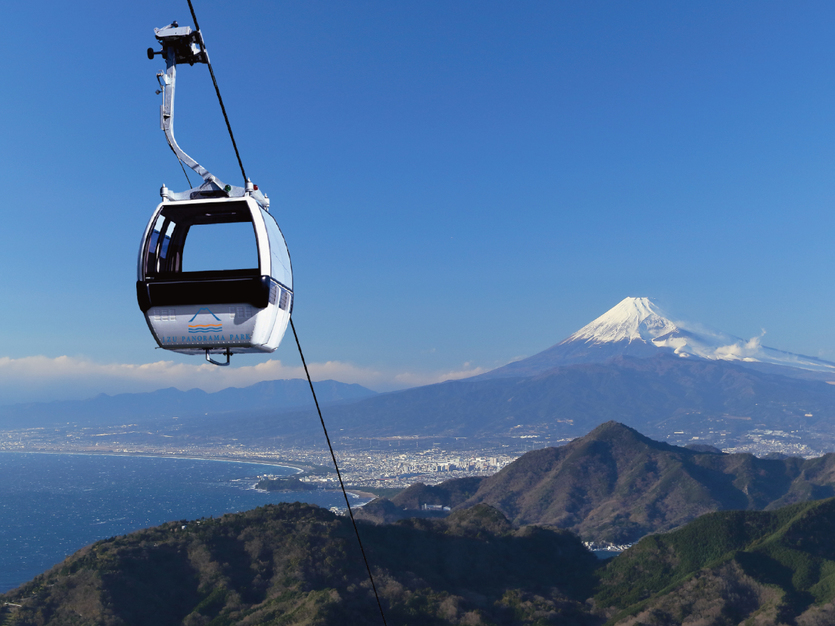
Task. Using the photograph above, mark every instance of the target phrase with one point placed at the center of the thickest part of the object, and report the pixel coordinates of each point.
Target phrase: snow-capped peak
(631, 319)
(639, 321)
(637, 327)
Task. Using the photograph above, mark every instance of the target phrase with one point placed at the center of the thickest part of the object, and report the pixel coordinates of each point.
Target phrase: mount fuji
(637, 327)
(675, 381)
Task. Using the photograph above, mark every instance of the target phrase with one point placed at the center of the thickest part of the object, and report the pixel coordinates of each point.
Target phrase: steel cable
(298, 344)
(338, 473)
(217, 91)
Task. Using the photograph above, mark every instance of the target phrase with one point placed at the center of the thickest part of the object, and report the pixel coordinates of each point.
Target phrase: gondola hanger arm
(180, 44)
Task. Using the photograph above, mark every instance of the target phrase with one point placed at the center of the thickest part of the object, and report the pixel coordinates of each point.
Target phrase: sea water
(53, 504)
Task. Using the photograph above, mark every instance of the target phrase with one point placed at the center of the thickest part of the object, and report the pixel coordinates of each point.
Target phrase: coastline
(354, 493)
(299, 467)
(359, 495)
(93, 504)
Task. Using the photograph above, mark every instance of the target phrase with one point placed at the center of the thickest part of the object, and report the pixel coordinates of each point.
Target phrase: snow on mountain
(638, 327)
(632, 319)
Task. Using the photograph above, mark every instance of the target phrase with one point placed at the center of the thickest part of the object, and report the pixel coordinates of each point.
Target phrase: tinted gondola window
(158, 246)
(280, 257)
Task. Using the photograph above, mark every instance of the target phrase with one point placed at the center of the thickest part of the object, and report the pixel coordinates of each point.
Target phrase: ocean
(54, 504)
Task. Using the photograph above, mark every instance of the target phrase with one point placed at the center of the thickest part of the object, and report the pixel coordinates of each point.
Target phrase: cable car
(191, 304)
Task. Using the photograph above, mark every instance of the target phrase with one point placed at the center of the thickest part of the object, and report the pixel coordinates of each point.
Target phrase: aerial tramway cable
(338, 473)
(298, 343)
(217, 91)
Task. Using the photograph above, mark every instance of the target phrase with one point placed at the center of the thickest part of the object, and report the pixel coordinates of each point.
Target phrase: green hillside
(295, 564)
(776, 566)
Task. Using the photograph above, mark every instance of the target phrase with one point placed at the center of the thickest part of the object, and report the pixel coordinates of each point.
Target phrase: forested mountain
(725, 568)
(295, 564)
(617, 485)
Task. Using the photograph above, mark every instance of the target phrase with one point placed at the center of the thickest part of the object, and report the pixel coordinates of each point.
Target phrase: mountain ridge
(617, 485)
(275, 395)
(718, 401)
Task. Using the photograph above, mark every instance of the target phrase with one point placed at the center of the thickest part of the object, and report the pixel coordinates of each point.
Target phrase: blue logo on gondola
(205, 328)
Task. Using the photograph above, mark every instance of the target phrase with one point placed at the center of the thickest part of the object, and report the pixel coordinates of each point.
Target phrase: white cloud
(741, 350)
(412, 379)
(40, 378)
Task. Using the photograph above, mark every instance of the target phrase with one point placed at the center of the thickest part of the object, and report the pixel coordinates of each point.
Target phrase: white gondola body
(223, 311)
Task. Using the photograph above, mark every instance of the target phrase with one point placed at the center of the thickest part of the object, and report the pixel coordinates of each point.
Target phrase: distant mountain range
(617, 485)
(658, 396)
(633, 365)
(272, 396)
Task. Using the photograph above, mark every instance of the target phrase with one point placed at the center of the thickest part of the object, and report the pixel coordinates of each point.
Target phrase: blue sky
(460, 183)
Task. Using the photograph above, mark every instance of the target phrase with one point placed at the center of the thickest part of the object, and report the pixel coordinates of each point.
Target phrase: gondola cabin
(214, 274)
(197, 301)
